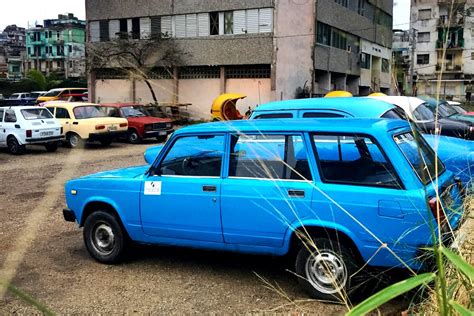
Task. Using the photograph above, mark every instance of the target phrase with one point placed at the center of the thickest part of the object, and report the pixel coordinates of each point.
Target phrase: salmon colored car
(87, 122)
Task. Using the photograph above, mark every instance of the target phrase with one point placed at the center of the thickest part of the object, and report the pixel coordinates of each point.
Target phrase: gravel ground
(46, 258)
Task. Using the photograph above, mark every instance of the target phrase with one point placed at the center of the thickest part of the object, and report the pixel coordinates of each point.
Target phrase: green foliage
(460, 309)
(459, 263)
(37, 77)
(28, 299)
(390, 293)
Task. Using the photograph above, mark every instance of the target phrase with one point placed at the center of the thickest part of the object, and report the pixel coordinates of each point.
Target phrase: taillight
(437, 210)
(99, 127)
(29, 133)
(123, 124)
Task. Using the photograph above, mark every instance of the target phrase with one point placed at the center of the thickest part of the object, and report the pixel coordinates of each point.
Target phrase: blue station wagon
(339, 196)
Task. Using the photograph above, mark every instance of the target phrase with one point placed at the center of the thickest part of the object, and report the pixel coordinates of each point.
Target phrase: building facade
(401, 61)
(12, 52)
(265, 49)
(444, 46)
(58, 47)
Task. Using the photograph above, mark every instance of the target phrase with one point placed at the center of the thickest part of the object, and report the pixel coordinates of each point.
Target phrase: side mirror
(151, 153)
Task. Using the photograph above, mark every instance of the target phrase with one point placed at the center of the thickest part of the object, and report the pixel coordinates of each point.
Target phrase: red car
(140, 124)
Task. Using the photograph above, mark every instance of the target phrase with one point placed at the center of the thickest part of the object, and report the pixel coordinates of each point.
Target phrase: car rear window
(420, 156)
(395, 113)
(36, 114)
(86, 112)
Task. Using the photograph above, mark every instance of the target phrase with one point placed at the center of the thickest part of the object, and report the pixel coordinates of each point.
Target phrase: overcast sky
(20, 12)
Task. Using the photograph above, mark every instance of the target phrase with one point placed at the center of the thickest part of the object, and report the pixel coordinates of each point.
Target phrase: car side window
(10, 116)
(62, 113)
(269, 157)
(1, 115)
(274, 116)
(353, 159)
(321, 115)
(194, 156)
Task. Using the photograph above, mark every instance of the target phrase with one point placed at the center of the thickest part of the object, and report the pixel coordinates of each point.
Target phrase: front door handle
(296, 193)
(209, 188)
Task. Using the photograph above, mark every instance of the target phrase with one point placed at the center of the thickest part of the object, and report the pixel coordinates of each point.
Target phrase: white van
(24, 125)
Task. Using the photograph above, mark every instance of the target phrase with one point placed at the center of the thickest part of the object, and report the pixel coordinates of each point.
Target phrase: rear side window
(194, 156)
(62, 113)
(395, 113)
(10, 116)
(423, 113)
(353, 159)
(1, 114)
(269, 157)
(274, 116)
(321, 115)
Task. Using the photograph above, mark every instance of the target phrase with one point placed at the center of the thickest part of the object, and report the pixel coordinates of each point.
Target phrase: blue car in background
(341, 197)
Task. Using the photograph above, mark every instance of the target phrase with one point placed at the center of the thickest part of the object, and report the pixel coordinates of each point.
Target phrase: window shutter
(252, 21)
(166, 26)
(203, 24)
(114, 28)
(191, 25)
(180, 25)
(155, 26)
(145, 28)
(94, 29)
(265, 20)
(129, 26)
(240, 26)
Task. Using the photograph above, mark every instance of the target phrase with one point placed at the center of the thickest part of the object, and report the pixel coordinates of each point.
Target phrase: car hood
(147, 120)
(131, 172)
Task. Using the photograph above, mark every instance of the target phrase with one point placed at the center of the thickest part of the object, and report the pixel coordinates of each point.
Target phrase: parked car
(87, 122)
(55, 94)
(422, 114)
(259, 186)
(457, 154)
(2, 97)
(444, 110)
(28, 125)
(18, 96)
(37, 94)
(457, 106)
(140, 124)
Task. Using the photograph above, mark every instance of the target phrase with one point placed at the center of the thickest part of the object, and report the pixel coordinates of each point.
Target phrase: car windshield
(459, 109)
(36, 114)
(34, 95)
(420, 156)
(52, 93)
(445, 110)
(423, 113)
(132, 111)
(89, 111)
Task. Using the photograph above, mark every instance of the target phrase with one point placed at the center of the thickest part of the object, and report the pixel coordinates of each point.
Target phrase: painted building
(444, 45)
(401, 61)
(12, 52)
(58, 47)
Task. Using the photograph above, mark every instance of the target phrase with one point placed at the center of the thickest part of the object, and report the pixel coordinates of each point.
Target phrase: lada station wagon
(339, 196)
(28, 125)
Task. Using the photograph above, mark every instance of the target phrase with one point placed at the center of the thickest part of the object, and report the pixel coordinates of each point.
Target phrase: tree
(38, 78)
(135, 57)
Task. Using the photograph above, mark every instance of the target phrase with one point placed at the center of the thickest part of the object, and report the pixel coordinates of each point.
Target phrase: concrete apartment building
(265, 49)
(57, 46)
(438, 27)
(12, 52)
(401, 61)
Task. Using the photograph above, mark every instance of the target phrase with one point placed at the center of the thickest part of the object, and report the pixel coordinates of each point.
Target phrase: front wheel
(325, 269)
(14, 146)
(104, 237)
(51, 147)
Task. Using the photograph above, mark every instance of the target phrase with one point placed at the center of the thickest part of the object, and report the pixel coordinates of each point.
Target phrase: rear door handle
(209, 188)
(296, 193)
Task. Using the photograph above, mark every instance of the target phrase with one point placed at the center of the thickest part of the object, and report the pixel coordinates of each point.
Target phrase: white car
(19, 96)
(24, 125)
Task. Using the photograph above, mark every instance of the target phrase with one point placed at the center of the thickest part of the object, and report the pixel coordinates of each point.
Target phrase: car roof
(408, 104)
(355, 106)
(21, 107)
(346, 125)
(69, 105)
(120, 105)
(61, 89)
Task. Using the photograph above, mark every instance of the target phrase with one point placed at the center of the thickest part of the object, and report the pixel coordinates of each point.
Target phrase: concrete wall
(201, 93)
(112, 91)
(164, 91)
(258, 92)
(294, 41)
(334, 59)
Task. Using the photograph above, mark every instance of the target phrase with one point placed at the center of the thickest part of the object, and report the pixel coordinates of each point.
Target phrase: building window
(160, 73)
(383, 18)
(424, 37)
(323, 34)
(46, 34)
(364, 61)
(214, 23)
(29, 51)
(123, 29)
(199, 72)
(385, 65)
(104, 31)
(70, 49)
(60, 50)
(338, 39)
(424, 14)
(248, 72)
(155, 26)
(136, 28)
(472, 56)
(423, 59)
(111, 73)
(229, 22)
(166, 26)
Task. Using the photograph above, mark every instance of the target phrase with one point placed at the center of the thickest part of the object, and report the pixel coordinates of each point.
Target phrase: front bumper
(106, 135)
(44, 139)
(158, 133)
(69, 215)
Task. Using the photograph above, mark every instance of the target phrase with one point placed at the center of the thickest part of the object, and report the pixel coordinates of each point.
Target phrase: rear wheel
(51, 147)
(133, 137)
(14, 146)
(325, 269)
(74, 141)
(104, 237)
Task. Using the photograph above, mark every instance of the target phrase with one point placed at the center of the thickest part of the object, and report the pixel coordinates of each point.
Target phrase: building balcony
(444, 22)
(450, 67)
(450, 45)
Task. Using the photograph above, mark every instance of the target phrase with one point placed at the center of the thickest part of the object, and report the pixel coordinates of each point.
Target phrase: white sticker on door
(152, 187)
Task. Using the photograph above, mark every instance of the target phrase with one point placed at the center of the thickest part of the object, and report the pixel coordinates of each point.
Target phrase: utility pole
(412, 37)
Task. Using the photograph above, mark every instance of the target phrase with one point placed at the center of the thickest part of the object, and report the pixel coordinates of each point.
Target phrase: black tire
(51, 147)
(14, 146)
(327, 255)
(104, 237)
(73, 140)
(133, 137)
(106, 142)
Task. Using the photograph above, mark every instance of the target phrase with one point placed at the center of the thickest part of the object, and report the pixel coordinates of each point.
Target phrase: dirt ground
(47, 259)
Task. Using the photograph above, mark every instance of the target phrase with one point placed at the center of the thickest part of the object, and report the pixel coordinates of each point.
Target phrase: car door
(2, 129)
(181, 198)
(63, 116)
(267, 189)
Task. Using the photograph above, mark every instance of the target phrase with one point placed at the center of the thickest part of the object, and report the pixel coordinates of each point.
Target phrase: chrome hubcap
(133, 137)
(103, 239)
(326, 272)
(74, 140)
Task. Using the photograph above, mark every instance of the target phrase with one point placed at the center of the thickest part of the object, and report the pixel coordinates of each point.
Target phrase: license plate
(112, 128)
(49, 133)
(162, 133)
